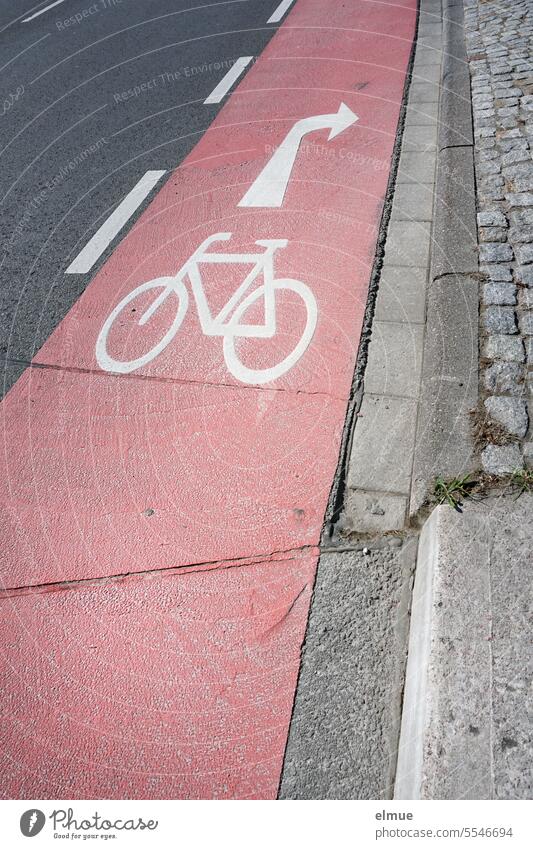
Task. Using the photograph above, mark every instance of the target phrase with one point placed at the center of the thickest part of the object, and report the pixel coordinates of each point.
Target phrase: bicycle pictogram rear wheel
(260, 376)
(175, 288)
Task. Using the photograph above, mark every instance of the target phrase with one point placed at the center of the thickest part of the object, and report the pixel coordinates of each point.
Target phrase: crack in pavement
(177, 380)
(205, 566)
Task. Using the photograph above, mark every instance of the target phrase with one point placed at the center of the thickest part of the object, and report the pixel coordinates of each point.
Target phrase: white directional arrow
(270, 186)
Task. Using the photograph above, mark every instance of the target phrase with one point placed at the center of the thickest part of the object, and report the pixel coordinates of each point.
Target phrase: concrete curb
(454, 243)
(466, 727)
(411, 744)
(449, 385)
(455, 122)
(443, 444)
(380, 454)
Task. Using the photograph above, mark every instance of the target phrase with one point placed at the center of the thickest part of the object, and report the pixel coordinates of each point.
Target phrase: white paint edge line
(226, 82)
(280, 11)
(103, 237)
(41, 11)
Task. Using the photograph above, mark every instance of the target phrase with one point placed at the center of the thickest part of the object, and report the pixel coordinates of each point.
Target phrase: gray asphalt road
(94, 95)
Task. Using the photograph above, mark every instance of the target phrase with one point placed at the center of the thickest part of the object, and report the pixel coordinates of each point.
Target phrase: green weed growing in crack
(522, 481)
(454, 491)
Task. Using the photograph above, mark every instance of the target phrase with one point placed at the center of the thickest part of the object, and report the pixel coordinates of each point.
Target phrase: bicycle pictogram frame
(227, 323)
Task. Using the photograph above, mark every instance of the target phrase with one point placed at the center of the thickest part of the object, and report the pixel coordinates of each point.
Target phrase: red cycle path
(179, 683)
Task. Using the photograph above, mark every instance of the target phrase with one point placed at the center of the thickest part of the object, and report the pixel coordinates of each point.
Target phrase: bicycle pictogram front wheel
(170, 288)
(266, 375)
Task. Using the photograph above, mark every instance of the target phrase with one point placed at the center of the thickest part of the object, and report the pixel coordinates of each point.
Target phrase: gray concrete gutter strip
(380, 467)
(344, 733)
(449, 386)
(466, 725)
(443, 444)
(455, 121)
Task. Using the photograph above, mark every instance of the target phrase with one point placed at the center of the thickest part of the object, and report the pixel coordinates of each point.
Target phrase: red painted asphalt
(180, 684)
(175, 687)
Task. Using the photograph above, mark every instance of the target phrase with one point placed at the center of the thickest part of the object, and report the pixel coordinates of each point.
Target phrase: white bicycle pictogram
(227, 323)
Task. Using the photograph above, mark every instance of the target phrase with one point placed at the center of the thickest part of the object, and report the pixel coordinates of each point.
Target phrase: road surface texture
(170, 438)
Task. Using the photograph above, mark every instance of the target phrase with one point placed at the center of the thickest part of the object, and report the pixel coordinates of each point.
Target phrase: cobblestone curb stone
(499, 42)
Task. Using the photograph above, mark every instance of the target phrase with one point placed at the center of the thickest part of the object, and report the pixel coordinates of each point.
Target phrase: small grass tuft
(454, 491)
(522, 481)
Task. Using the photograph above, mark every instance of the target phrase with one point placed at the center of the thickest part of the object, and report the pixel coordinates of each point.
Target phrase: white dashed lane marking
(114, 224)
(41, 11)
(280, 11)
(226, 82)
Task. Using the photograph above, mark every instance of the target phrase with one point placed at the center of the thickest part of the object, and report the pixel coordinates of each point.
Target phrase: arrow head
(343, 119)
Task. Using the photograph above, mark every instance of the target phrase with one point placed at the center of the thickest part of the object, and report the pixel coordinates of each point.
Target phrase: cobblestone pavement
(499, 36)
